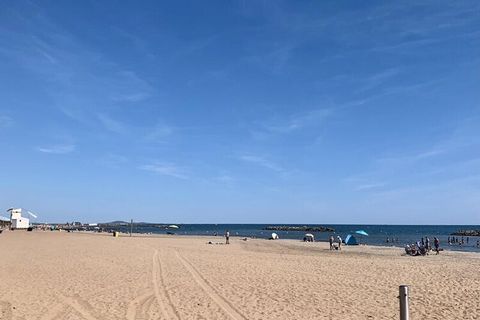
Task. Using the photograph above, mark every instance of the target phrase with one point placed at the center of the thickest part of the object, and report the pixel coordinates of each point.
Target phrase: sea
(377, 234)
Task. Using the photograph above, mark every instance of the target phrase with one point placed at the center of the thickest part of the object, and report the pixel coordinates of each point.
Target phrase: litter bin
(115, 234)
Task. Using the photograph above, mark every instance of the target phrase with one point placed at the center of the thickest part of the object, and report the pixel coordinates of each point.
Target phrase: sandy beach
(58, 275)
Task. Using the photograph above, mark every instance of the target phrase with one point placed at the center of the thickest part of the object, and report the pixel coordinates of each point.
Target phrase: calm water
(377, 233)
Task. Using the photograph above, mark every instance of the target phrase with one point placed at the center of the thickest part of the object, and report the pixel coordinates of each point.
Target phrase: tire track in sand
(161, 294)
(56, 312)
(80, 306)
(138, 307)
(221, 301)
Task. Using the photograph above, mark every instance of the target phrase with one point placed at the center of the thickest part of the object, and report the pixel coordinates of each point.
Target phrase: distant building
(18, 222)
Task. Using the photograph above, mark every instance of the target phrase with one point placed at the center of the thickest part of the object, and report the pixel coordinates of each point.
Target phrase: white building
(18, 222)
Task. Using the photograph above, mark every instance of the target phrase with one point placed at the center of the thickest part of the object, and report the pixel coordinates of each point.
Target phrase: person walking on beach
(436, 243)
(330, 240)
(227, 237)
(339, 239)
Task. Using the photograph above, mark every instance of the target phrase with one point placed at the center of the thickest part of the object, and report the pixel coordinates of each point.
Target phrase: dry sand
(58, 275)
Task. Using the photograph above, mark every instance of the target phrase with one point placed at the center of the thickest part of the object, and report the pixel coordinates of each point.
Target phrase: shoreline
(221, 238)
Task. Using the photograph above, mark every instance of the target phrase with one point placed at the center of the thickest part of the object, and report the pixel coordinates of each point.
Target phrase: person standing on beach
(227, 237)
(339, 239)
(330, 240)
(436, 243)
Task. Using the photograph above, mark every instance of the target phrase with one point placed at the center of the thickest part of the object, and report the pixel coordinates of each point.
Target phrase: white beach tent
(274, 236)
(309, 237)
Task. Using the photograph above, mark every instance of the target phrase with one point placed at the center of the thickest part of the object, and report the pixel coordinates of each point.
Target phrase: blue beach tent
(351, 240)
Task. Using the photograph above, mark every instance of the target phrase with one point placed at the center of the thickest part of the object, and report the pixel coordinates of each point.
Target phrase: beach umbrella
(362, 232)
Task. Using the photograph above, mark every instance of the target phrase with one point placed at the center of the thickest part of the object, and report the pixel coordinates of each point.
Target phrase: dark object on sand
(30, 229)
(1, 230)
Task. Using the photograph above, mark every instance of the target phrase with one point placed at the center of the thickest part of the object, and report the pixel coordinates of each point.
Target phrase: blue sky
(241, 111)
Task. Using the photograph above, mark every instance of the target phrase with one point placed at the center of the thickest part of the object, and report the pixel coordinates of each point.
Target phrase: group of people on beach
(331, 241)
(423, 247)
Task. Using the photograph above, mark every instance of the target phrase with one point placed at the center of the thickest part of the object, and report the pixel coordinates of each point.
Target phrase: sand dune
(56, 275)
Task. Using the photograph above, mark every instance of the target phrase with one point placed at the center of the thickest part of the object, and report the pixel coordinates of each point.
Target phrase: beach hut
(351, 240)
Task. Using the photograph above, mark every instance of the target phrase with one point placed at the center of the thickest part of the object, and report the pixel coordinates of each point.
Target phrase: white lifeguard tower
(18, 222)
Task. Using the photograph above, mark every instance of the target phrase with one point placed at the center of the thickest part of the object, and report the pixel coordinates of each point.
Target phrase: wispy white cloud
(453, 158)
(159, 133)
(128, 86)
(290, 124)
(57, 149)
(298, 121)
(458, 185)
(165, 169)
(111, 124)
(225, 178)
(131, 97)
(369, 186)
(5, 121)
(411, 158)
(80, 80)
(113, 160)
(377, 79)
(261, 161)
